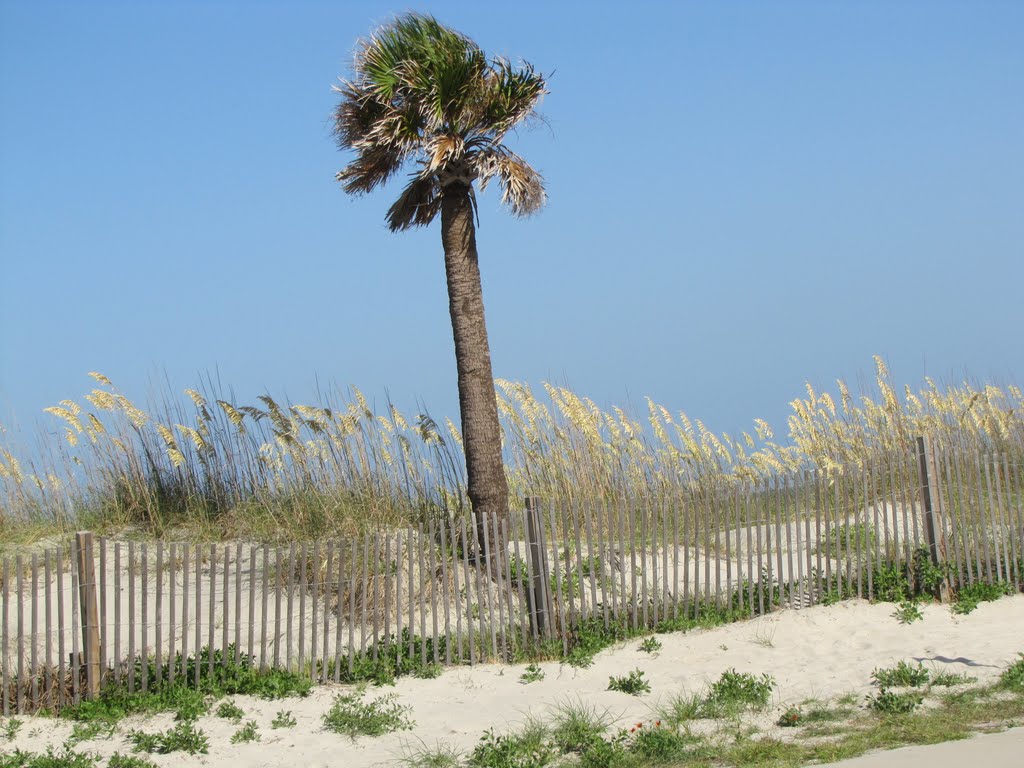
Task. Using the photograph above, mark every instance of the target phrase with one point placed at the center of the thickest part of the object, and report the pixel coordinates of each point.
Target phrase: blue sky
(742, 197)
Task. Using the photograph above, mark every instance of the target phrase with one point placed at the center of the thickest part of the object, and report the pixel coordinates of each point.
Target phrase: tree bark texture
(478, 406)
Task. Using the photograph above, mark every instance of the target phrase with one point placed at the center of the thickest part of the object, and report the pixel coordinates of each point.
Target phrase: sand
(821, 652)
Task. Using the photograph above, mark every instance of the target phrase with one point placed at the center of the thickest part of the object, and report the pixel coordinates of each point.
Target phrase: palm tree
(425, 95)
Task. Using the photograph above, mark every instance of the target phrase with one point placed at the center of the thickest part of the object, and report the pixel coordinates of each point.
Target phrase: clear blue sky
(742, 196)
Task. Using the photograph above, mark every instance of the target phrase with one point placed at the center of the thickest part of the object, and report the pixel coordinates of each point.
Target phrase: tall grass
(278, 470)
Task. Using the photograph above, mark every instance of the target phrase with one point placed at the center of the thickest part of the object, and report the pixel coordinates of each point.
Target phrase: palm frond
(418, 205)
(522, 187)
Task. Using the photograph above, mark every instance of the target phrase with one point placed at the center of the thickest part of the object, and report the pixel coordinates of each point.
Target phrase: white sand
(821, 652)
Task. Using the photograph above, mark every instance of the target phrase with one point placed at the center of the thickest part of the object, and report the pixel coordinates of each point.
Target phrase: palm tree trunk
(478, 405)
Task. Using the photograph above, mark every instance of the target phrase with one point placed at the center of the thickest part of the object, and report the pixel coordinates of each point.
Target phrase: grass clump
(634, 683)
(1012, 678)
(736, 691)
(791, 718)
(351, 716)
(903, 675)
(184, 737)
(950, 679)
(578, 728)
(90, 730)
(246, 733)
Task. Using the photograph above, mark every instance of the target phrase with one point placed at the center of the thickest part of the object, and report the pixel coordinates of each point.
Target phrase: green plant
(66, 758)
(577, 727)
(847, 540)
(908, 612)
(949, 679)
(89, 731)
(246, 733)
(1012, 678)
(903, 675)
(283, 719)
(650, 645)
(968, 598)
(351, 716)
(791, 717)
(117, 760)
(634, 683)
(892, 703)
(523, 750)
(184, 737)
(657, 742)
(735, 690)
(427, 671)
(10, 728)
(532, 674)
(230, 711)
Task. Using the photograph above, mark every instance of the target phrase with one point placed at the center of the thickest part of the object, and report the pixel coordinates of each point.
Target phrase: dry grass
(275, 471)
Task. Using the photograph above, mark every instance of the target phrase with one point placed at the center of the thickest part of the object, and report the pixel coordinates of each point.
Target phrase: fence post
(90, 614)
(537, 592)
(933, 528)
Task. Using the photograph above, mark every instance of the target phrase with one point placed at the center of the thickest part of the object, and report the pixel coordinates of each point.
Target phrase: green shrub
(184, 737)
(969, 597)
(791, 718)
(903, 675)
(532, 674)
(283, 719)
(1012, 677)
(230, 711)
(634, 683)
(246, 733)
(117, 760)
(66, 758)
(741, 690)
(351, 716)
(524, 750)
(895, 703)
(650, 645)
(908, 612)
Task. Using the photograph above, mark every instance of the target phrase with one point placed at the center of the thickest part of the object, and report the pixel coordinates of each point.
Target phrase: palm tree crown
(424, 93)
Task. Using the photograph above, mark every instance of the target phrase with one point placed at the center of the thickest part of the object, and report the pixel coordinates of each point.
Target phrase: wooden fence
(96, 612)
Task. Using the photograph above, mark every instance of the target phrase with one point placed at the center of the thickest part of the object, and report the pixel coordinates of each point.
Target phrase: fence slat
(76, 676)
(225, 660)
(387, 591)
(132, 566)
(104, 634)
(238, 602)
(212, 628)
(143, 645)
(445, 590)
(290, 620)
(48, 680)
(61, 659)
(5, 671)
(469, 602)
(303, 576)
(352, 566)
(328, 571)
(375, 579)
(339, 602)
(432, 576)
(172, 584)
(158, 610)
(199, 615)
(184, 611)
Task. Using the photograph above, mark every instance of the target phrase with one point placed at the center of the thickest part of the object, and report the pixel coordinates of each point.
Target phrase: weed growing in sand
(10, 729)
(246, 733)
(791, 718)
(283, 719)
(903, 675)
(968, 598)
(1012, 678)
(950, 679)
(66, 758)
(741, 690)
(650, 645)
(440, 756)
(117, 760)
(184, 737)
(891, 703)
(634, 683)
(532, 674)
(577, 727)
(526, 749)
(351, 716)
(908, 612)
(88, 731)
(230, 711)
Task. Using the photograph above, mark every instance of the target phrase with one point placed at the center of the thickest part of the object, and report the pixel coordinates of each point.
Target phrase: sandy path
(821, 652)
